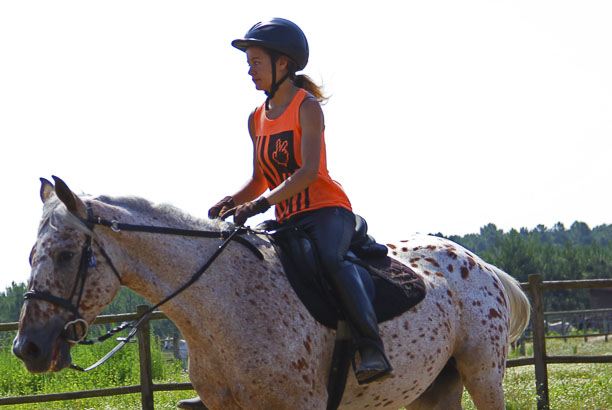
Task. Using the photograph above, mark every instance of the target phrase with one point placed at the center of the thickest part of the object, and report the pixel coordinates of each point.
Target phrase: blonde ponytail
(305, 82)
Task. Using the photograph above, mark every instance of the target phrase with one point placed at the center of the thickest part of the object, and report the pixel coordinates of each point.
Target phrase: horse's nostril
(31, 350)
(28, 350)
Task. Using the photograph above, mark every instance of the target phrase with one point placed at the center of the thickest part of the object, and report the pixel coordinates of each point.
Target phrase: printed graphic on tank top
(280, 164)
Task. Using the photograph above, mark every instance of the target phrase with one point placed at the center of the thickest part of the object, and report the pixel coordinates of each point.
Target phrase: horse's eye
(64, 257)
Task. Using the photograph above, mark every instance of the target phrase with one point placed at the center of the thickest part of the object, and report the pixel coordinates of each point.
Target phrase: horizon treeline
(555, 253)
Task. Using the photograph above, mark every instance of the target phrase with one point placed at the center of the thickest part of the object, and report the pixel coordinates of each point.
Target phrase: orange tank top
(278, 152)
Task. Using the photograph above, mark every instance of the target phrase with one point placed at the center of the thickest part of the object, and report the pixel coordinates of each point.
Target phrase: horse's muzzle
(41, 351)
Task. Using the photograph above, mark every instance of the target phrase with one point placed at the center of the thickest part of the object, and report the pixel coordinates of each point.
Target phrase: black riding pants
(331, 230)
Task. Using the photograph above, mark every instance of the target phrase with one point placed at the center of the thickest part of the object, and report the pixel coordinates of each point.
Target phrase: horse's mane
(167, 212)
(171, 216)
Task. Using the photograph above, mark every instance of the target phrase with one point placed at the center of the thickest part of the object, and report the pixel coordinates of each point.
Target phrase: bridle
(87, 260)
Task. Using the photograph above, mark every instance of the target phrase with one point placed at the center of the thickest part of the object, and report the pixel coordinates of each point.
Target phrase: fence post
(144, 351)
(539, 341)
(175, 345)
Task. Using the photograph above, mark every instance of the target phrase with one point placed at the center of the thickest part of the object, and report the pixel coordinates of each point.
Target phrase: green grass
(571, 386)
(121, 370)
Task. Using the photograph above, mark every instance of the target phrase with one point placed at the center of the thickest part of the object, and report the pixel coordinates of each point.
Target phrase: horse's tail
(520, 308)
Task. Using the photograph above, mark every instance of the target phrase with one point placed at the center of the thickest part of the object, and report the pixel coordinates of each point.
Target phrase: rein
(87, 260)
(116, 226)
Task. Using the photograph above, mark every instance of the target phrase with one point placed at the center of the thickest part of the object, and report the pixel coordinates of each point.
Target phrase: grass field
(571, 386)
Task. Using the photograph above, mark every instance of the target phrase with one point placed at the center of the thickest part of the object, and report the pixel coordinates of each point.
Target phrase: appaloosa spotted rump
(251, 342)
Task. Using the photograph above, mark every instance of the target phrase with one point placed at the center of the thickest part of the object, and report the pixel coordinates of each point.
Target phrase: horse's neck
(155, 265)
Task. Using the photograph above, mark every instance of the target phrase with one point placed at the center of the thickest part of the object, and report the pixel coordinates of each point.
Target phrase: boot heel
(374, 365)
(369, 376)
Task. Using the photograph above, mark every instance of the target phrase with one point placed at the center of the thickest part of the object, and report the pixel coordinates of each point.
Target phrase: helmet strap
(275, 85)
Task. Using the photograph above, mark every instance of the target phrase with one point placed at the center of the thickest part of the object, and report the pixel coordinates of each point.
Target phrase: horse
(560, 327)
(252, 343)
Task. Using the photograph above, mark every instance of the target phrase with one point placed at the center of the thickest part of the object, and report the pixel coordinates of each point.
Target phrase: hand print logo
(281, 155)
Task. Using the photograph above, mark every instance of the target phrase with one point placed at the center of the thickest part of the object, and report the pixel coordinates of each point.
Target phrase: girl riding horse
(289, 159)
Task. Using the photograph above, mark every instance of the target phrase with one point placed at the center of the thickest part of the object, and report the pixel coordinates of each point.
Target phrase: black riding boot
(362, 318)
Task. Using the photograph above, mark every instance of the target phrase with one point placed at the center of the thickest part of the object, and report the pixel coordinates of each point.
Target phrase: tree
(580, 234)
(11, 301)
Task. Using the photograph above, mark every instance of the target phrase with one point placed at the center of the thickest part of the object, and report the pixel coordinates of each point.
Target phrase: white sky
(444, 116)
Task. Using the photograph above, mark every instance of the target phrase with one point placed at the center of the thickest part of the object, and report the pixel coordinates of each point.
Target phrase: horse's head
(69, 283)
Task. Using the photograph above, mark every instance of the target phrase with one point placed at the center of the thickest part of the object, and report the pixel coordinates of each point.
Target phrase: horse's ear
(72, 202)
(46, 190)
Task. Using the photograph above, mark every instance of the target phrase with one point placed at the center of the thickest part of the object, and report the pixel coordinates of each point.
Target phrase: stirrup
(365, 374)
(368, 376)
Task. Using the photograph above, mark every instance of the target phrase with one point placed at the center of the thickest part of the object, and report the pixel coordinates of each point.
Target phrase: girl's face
(260, 67)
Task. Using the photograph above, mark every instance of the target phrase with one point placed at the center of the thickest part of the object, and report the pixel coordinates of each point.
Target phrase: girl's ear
(282, 63)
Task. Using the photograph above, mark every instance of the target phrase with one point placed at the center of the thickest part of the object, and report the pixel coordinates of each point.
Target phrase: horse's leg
(483, 379)
(444, 393)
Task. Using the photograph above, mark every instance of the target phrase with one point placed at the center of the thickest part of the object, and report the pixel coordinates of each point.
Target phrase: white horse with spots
(252, 344)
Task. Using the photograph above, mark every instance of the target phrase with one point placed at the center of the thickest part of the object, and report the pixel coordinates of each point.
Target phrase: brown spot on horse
(493, 314)
(433, 262)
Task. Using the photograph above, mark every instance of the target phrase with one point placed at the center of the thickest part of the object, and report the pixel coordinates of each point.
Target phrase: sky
(444, 116)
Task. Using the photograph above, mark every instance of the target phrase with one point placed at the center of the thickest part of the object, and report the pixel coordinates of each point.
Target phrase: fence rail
(540, 359)
(146, 388)
(567, 326)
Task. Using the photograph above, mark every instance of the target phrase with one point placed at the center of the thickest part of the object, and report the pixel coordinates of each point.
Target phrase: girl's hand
(220, 207)
(248, 209)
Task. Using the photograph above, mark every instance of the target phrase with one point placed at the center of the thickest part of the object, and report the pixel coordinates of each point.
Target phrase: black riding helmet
(280, 37)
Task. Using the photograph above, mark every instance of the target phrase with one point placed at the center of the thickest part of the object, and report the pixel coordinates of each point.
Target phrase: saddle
(397, 289)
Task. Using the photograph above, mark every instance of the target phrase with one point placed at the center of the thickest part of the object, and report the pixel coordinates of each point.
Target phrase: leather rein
(87, 260)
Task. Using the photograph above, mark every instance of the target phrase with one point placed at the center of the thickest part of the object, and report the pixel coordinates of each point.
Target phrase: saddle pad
(398, 287)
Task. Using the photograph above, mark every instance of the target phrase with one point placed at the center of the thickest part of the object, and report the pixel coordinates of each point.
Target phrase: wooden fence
(605, 329)
(540, 359)
(146, 387)
(534, 287)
